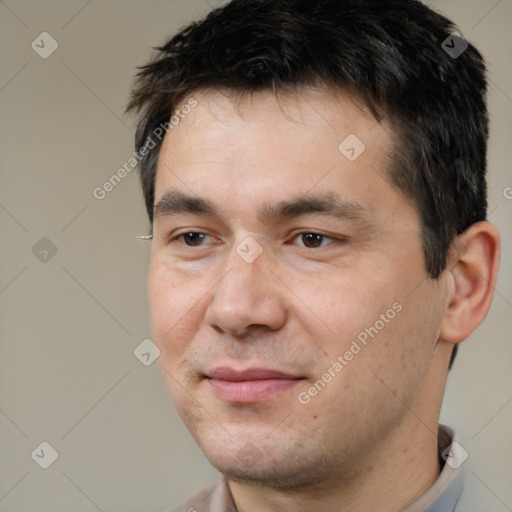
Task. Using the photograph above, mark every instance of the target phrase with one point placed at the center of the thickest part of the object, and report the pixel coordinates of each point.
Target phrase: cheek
(373, 319)
(348, 303)
(400, 355)
(176, 309)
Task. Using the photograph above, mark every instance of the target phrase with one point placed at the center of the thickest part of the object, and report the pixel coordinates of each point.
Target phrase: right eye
(190, 238)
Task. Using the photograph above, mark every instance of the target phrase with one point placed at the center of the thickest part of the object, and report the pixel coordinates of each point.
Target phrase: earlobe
(473, 272)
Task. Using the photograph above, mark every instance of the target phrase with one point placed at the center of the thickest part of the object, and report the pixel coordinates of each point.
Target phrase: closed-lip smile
(249, 385)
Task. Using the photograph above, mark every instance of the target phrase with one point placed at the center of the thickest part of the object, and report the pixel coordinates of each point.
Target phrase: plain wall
(70, 323)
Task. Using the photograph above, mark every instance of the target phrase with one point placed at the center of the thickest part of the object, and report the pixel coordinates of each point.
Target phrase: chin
(285, 471)
(286, 479)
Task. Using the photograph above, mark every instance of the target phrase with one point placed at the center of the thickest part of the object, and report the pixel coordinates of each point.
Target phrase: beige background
(70, 325)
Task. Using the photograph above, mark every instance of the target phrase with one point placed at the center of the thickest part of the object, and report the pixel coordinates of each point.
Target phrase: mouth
(249, 385)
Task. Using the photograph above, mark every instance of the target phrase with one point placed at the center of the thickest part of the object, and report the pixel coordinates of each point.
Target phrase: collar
(443, 495)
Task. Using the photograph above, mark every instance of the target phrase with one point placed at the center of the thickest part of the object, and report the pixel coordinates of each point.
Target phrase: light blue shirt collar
(446, 491)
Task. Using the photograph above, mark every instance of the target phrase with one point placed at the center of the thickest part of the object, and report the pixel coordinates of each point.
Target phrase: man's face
(294, 343)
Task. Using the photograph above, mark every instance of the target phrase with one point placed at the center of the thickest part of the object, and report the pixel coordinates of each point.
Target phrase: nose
(249, 294)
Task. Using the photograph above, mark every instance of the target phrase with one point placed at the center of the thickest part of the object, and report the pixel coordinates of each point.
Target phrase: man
(319, 247)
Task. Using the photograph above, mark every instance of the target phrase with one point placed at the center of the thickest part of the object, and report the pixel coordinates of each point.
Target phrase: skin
(367, 440)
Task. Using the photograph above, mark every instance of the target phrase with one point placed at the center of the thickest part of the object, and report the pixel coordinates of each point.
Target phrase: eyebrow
(175, 202)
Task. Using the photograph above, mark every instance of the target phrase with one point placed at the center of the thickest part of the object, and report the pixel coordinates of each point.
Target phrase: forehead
(278, 115)
(263, 146)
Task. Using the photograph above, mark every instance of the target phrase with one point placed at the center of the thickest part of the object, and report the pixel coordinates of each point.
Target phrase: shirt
(446, 494)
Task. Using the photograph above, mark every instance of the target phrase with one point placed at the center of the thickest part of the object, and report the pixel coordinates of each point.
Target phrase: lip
(229, 374)
(249, 385)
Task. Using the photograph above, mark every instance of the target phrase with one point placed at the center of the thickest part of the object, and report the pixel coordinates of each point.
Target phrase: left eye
(313, 240)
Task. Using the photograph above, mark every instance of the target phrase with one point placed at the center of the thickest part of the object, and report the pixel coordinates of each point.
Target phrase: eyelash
(324, 237)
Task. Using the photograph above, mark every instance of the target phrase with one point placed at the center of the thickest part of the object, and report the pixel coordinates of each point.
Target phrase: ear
(472, 272)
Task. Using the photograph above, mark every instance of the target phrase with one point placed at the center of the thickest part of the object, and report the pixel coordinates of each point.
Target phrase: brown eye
(192, 238)
(312, 240)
